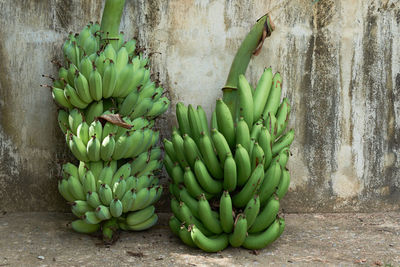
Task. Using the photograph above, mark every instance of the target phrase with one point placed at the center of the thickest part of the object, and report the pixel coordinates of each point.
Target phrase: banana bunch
(228, 178)
(99, 76)
(106, 197)
(115, 185)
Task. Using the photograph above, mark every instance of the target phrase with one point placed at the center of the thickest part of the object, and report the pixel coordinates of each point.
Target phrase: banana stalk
(111, 20)
(250, 45)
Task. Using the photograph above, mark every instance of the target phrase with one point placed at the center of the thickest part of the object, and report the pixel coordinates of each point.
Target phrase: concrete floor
(42, 239)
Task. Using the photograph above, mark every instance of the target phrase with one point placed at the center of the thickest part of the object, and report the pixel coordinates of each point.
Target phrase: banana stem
(250, 45)
(111, 20)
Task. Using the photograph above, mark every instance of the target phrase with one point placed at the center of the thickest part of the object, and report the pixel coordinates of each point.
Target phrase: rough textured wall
(340, 61)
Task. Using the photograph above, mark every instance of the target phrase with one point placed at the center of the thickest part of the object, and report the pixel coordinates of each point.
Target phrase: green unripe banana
(266, 216)
(185, 236)
(105, 194)
(225, 122)
(92, 198)
(103, 213)
(250, 188)
(263, 239)
(239, 234)
(205, 180)
(271, 181)
(140, 216)
(221, 145)
(243, 134)
(230, 174)
(283, 184)
(209, 156)
(80, 207)
(243, 165)
(81, 226)
(251, 211)
(245, 99)
(144, 225)
(284, 141)
(262, 92)
(274, 96)
(226, 212)
(206, 216)
(208, 244)
(174, 224)
(183, 120)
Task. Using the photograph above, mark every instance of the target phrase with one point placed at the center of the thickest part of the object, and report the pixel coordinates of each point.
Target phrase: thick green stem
(111, 20)
(250, 44)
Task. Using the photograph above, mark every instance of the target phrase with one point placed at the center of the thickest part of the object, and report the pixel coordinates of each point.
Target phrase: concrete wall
(340, 61)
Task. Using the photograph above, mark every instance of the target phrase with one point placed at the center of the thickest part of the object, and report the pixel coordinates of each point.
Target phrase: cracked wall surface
(340, 63)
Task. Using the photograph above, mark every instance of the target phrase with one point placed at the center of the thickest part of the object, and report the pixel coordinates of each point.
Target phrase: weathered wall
(340, 61)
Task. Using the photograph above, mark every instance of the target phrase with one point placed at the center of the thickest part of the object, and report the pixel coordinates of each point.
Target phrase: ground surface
(42, 239)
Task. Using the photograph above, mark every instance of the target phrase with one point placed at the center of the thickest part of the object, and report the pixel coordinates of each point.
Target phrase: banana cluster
(122, 197)
(227, 181)
(114, 186)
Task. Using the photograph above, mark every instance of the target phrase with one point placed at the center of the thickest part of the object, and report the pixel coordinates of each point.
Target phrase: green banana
(144, 225)
(271, 181)
(95, 129)
(63, 188)
(264, 140)
(243, 134)
(251, 211)
(185, 236)
(192, 185)
(94, 110)
(142, 197)
(92, 198)
(194, 123)
(205, 180)
(189, 201)
(183, 120)
(225, 122)
(89, 182)
(250, 188)
(75, 118)
(266, 216)
(284, 141)
(230, 174)
(91, 218)
(81, 226)
(140, 216)
(107, 148)
(226, 212)
(177, 174)
(261, 240)
(206, 217)
(283, 184)
(82, 87)
(93, 149)
(208, 244)
(245, 98)
(109, 77)
(103, 213)
(96, 167)
(79, 207)
(221, 145)
(239, 233)
(243, 165)
(105, 194)
(257, 156)
(177, 142)
(83, 132)
(282, 116)
(169, 149)
(75, 188)
(63, 120)
(95, 84)
(274, 96)
(72, 96)
(128, 104)
(209, 156)
(262, 92)
(60, 98)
